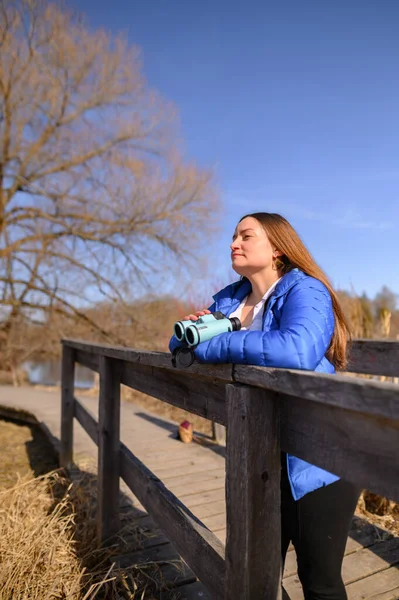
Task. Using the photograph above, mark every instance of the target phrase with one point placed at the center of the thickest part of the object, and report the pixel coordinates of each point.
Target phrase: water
(49, 373)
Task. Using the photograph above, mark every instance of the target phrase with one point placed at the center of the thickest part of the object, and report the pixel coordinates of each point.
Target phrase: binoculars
(205, 328)
(192, 333)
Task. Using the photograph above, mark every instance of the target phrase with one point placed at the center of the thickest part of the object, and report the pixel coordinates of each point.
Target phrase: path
(195, 473)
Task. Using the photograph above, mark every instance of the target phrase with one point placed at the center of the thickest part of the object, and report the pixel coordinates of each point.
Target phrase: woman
(291, 318)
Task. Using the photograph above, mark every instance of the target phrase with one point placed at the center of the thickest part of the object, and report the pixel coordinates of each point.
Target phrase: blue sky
(295, 104)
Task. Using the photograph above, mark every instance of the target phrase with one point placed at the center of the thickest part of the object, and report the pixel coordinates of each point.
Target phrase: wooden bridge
(347, 425)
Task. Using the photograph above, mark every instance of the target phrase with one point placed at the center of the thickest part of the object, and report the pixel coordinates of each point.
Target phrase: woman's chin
(238, 269)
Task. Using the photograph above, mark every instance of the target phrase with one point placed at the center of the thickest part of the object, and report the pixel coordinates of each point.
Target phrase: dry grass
(380, 511)
(36, 543)
(48, 548)
(48, 545)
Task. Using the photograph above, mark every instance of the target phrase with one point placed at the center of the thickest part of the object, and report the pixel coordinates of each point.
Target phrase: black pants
(318, 526)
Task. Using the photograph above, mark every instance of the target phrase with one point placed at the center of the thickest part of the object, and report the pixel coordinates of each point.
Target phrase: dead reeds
(37, 549)
(48, 548)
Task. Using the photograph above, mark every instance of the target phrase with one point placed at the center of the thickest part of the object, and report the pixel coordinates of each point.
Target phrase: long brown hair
(295, 254)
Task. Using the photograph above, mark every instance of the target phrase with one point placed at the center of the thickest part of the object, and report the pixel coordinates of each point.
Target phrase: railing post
(253, 547)
(67, 405)
(108, 522)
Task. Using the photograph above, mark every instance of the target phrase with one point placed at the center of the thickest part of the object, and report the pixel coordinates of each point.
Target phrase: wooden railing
(345, 424)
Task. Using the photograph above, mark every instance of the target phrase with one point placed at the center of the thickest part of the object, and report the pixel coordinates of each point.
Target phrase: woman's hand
(199, 313)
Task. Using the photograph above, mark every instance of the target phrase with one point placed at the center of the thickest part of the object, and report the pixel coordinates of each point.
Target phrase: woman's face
(251, 250)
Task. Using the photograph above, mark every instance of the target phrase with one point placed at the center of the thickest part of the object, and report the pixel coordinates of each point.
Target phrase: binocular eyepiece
(205, 328)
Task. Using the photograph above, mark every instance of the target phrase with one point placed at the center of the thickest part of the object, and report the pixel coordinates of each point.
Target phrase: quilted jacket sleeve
(174, 342)
(306, 328)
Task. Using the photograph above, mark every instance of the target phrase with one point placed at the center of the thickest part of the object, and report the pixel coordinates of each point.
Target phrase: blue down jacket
(298, 323)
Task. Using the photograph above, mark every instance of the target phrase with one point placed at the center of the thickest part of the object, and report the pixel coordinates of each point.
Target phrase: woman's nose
(235, 244)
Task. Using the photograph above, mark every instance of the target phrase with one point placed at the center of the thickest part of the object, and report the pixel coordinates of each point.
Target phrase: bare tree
(94, 195)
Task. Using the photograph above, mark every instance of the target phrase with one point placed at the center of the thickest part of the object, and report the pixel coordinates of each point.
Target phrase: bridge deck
(195, 473)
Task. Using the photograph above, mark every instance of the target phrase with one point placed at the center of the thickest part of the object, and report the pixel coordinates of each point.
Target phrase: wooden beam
(204, 397)
(357, 447)
(198, 546)
(87, 359)
(67, 409)
(361, 395)
(374, 357)
(87, 421)
(153, 359)
(253, 464)
(108, 523)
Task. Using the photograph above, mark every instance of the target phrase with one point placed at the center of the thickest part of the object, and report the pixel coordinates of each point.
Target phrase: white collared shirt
(257, 318)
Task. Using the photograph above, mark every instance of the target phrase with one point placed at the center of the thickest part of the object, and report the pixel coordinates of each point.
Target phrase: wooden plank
(356, 566)
(252, 495)
(210, 509)
(360, 395)
(377, 398)
(221, 535)
(143, 541)
(108, 522)
(380, 586)
(183, 456)
(355, 446)
(203, 397)
(168, 445)
(156, 452)
(291, 568)
(374, 357)
(87, 421)
(370, 560)
(67, 408)
(163, 459)
(172, 569)
(216, 522)
(151, 540)
(219, 433)
(158, 554)
(203, 498)
(145, 523)
(192, 591)
(292, 588)
(367, 537)
(290, 565)
(161, 472)
(186, 462)
(181, 452)
(91, 361)
(152, 359)
(363, 534)
(196, 487)
(202, 551)
(191, 477)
